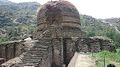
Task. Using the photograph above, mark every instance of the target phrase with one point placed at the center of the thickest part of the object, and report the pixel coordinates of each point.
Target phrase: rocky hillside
(113, 20)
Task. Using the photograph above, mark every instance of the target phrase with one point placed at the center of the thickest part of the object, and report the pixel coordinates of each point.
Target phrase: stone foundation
(9, 50)
(53, 52)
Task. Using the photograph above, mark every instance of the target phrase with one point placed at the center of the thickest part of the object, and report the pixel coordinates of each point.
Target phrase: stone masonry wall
(9, 50)
(69, 49)
(50, 52)
(57, 52)
(36, 53)
(94, 45)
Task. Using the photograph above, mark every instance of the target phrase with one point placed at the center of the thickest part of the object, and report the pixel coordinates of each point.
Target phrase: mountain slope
(17, 20)
(93, 26)
(115, 22)
(97, 27)
(5, 2)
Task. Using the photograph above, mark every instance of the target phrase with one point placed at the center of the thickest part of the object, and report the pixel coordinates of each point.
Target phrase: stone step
(34, 58)
(28, 55)
(38, 49)
(38, 54)
(41, 46)
(31, 62)
(35, 52)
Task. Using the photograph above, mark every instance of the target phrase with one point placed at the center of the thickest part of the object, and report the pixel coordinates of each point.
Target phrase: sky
(96, 8)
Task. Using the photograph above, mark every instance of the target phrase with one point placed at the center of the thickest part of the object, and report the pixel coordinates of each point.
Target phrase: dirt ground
(82, 60)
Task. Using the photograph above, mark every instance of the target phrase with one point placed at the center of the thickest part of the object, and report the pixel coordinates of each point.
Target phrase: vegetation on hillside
(17, 20)
(96, 27)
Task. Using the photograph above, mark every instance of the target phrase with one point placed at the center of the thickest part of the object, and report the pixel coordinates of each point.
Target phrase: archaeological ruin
(57, 38)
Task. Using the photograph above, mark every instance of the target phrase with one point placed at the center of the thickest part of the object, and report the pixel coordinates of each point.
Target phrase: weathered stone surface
(57, 52)
(94, 45)
(9, 50)
(58, 19)
(2, 51)
(39, 53)
(2, 60)
(11, 62)
(69, 49)
(58, 37)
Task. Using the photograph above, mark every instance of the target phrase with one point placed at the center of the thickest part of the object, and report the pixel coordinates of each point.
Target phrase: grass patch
(107, 58)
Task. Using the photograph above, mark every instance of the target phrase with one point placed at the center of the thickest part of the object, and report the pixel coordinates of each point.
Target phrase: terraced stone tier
(39, 51)
(53, 18)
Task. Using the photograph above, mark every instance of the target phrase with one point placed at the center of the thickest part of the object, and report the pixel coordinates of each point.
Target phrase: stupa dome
(61, 15)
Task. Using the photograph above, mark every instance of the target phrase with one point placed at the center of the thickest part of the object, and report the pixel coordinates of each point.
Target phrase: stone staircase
(37, 53)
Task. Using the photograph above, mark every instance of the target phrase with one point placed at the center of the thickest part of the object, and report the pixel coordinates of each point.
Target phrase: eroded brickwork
(11, 49)
(94, 45)
(58, 37)
(57, 52)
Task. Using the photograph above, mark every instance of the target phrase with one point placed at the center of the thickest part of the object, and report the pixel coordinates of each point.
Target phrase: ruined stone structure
(10, 50)
(94, 44)
(25, 52)
(57, 38)
(58, 19)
